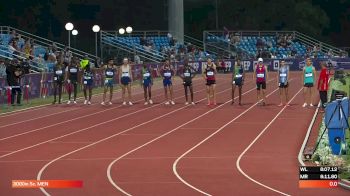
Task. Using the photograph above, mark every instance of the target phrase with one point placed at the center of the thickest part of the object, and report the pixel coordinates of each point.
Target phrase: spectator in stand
(13, 36)
(2, 69)
(143, 41)
(137, 59)
(67, 56)
(330, 53)
(323, 85)
(172, 42)
(28, 50)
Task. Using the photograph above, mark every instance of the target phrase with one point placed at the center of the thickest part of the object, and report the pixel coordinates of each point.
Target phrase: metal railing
(222, 45)
(114, 41)
(44, 42)
(11, 56)
(149, 33)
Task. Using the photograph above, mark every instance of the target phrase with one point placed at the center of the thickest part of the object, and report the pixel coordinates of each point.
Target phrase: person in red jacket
(323, 85)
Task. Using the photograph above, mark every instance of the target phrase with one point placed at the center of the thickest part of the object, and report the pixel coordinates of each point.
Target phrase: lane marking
(109, 137)
(80, 117)
(201, 142)
(90, 127)
(109, 176)
(253, 142)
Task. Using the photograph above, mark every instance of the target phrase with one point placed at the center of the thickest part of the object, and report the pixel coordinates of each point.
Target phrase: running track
(159, 150)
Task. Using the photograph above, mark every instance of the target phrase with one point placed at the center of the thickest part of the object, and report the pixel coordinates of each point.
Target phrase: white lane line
(201, 142)
(253, 142)
(86, 128)
(77, 118)
(109, 137)
(40, 117)
(109, 175)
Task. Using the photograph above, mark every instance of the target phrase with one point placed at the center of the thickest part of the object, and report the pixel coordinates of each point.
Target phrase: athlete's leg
(191, 91)
(214, 93)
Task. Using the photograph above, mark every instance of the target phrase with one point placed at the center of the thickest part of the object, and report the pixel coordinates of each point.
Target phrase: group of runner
(187, 73)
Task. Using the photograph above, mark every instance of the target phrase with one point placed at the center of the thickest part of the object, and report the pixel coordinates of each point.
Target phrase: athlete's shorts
(88, 82)
(237, 82)
(187, 83)
(125, 80)
(109, 82)
(283, 85)
(308, 85)
(167, 82)
(210, 82)
(147, 83)
(260, 85)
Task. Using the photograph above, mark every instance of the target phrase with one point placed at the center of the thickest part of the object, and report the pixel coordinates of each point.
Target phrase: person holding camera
(14, 73)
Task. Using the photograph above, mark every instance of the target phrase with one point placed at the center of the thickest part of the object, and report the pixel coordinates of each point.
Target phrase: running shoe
(146, 103)
(124, 103)
(89, 102)
(167, 103)
(172, 103)
(304, 105)
(130, 103)
(75, 102)
(311, 105)
(280, 105)
(186, 103)
(68, 102)
(110, 103)
(85, 102)
(150, 101)
(103, 103)
(193, 103)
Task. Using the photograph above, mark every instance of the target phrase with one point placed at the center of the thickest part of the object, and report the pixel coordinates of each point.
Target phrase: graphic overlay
(318, 177)
(47, 184)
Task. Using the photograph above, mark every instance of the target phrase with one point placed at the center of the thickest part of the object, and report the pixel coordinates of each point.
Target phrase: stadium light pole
(96, 29)
(69, 27)
(74, 33)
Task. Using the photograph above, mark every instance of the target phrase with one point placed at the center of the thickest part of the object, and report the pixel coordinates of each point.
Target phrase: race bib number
(73, 70)
(283, 75)
(87, 77)
(146, 75)
(210, 73)
(109, 73)
(125, 74)
(238, 76)
(167, 74)
(59, 72)
(106, 81)
(55, 78)
(308, 75)
(260, 75)
(187, 74)
(233, 82)
(85, 82)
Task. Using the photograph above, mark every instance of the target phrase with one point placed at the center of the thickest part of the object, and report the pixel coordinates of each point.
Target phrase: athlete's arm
(254, 73)
(314, 70)
(267, 73)
(131, 78)
(303, 78)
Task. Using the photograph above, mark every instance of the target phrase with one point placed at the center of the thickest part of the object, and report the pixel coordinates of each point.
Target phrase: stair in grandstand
(131, 45)
(247, 43)
(41, 44)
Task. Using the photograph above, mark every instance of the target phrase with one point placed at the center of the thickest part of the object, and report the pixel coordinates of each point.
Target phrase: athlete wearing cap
(109, 80)
(88, 82)
(237, 80)
(209, 76)
(146, 83)
(283, 82)
(309, 75)
(125, 80)
(260, 75)
(167, 72)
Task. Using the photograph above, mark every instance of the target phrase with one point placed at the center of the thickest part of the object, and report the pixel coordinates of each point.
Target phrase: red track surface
(159, 150)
